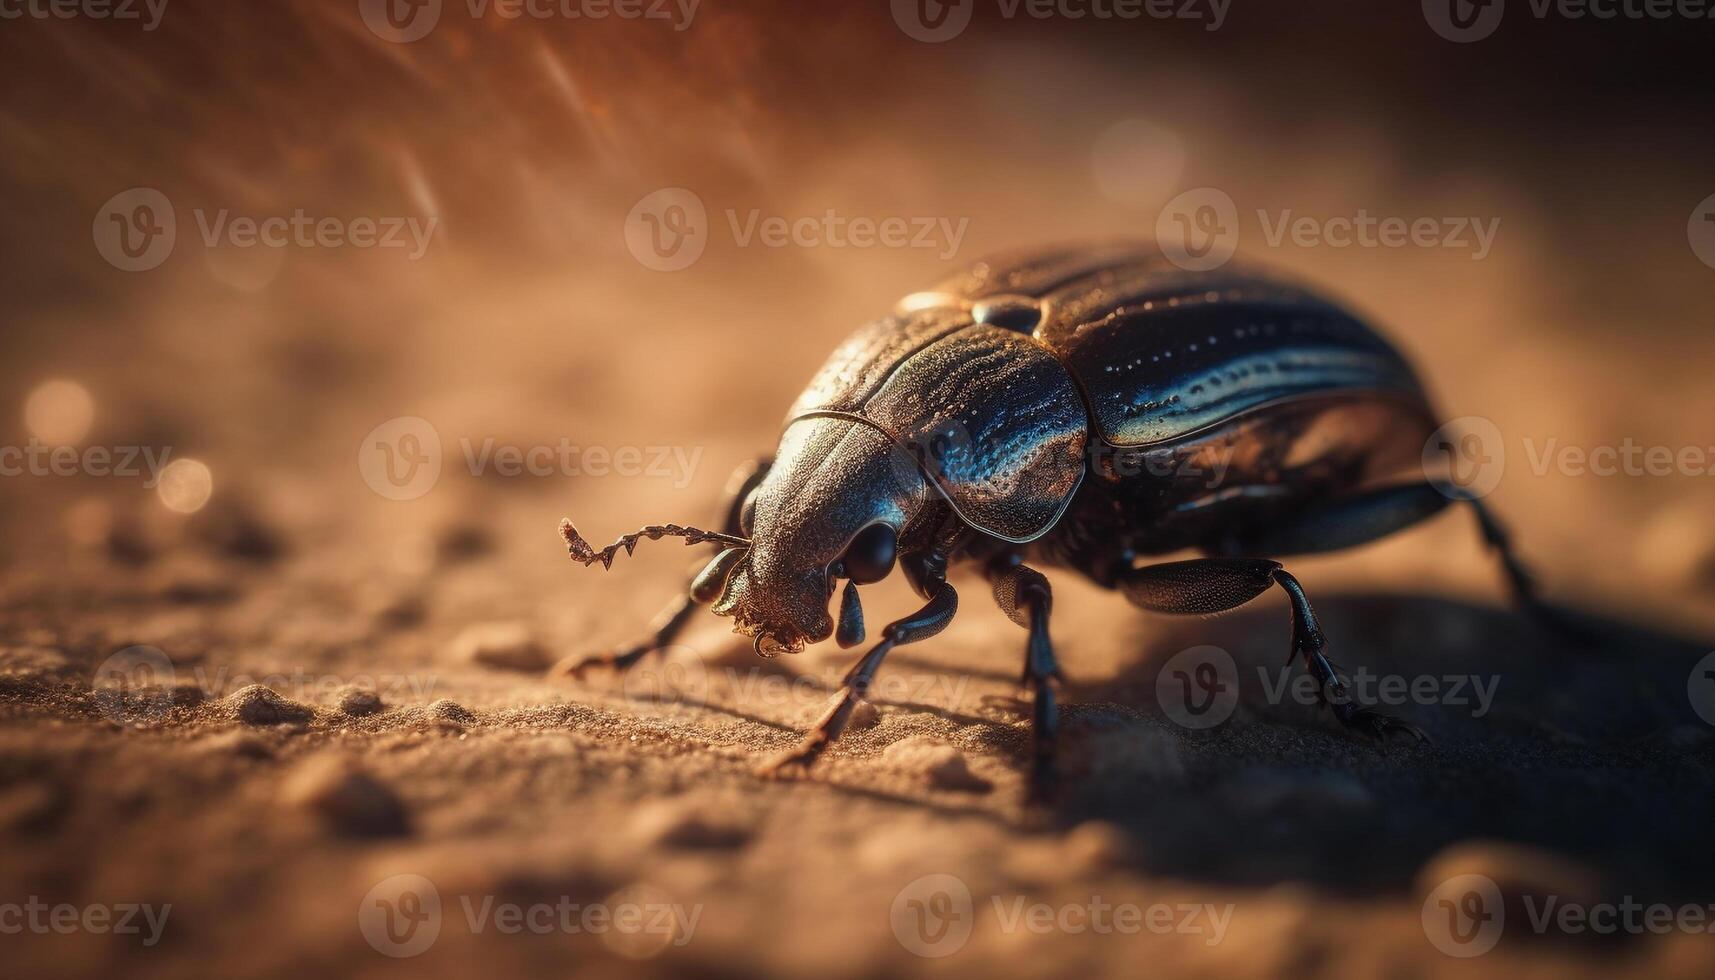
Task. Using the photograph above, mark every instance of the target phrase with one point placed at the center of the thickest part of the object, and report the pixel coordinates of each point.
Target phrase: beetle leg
(924, 623)
(1518, 576)
(1024, 595)
(1356, 520)
(670, 621)
(1205, 586)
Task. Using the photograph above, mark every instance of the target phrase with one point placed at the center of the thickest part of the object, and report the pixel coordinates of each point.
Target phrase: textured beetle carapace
(1081, 408)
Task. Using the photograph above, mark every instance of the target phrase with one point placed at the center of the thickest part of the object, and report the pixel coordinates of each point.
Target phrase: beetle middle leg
(1204, 586)
(924, 623)
(671, 621)
(1024, 595)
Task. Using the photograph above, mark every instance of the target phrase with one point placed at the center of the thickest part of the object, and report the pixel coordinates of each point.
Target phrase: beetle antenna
(580, 550)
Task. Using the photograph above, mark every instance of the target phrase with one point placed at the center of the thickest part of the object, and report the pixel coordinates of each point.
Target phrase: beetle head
(831, 507)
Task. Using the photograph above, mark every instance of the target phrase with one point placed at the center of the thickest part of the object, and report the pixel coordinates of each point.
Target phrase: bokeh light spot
(59, 412)
(186, 485)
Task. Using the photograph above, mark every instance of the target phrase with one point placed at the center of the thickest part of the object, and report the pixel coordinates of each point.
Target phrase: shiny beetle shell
(1008, 378)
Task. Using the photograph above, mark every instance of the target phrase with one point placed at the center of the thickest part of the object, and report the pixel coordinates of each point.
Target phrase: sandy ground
(340, 751)
(412, 730)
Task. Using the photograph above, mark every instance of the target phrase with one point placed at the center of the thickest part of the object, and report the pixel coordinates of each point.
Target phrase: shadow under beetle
(1082, 407)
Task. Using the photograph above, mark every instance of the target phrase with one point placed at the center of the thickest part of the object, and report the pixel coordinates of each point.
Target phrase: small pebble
(450, 712)
(864, 715)
(359, 702)
(257, 704)
(504, 646)
(344, 799)
(939, 764)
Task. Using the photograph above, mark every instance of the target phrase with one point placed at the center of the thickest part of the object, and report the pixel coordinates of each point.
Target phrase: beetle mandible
(1069, 408)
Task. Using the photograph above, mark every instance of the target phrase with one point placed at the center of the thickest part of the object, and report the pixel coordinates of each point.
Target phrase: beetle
(1082, 407)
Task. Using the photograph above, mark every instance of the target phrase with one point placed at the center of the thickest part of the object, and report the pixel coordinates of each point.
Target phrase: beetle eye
(869, 558)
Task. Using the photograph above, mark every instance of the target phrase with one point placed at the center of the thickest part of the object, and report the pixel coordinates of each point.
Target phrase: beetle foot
(1376, 725)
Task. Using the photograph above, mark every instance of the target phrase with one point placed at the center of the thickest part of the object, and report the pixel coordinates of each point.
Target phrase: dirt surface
(314, 713)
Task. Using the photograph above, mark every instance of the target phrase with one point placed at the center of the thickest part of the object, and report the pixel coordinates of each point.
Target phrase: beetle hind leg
(1349, 522)
(1205, 586)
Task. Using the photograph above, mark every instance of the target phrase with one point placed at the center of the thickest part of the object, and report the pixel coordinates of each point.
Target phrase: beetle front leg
(924, 623)
(671, 621)
(1024, 595)
(1204, 586)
